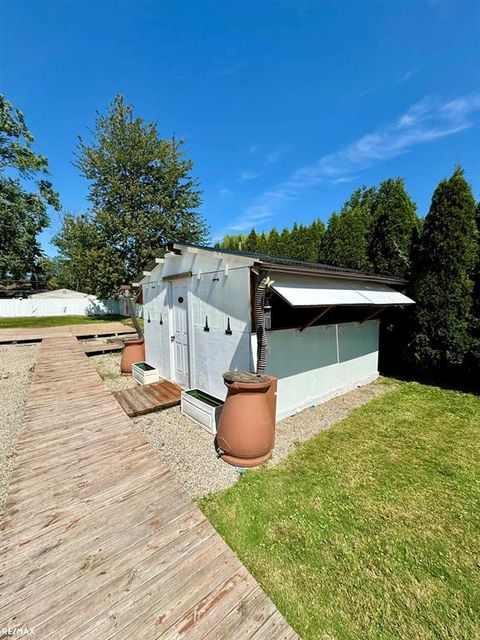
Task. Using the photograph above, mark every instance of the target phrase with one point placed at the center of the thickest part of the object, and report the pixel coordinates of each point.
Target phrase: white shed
(199, 322)
(63, 294)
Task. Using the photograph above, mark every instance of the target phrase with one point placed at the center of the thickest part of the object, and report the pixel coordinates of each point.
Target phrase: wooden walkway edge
(148, 398)
(100, 540)
(37, 334)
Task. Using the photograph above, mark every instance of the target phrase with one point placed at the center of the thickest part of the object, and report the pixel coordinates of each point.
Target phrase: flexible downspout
(132, 314)
(259, 303)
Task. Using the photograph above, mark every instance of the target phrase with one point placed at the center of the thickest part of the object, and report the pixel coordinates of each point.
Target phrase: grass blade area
(58, 321)
(371, 529)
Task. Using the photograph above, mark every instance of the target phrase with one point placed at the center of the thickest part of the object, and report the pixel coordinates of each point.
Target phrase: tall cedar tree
(251, 243)
(300, 243)
(348, 235)
(142, 195)
(284, 245)
(474, 360)
(443, 280)
(394, 229)
(23, 212)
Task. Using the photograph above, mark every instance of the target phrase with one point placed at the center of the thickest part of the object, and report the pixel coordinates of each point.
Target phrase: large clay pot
(133, 351)
(246, 429)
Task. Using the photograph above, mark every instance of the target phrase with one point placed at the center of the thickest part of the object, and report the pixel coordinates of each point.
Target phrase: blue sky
(286, 106)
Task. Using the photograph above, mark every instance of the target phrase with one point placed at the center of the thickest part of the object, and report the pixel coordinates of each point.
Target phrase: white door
(179, 336)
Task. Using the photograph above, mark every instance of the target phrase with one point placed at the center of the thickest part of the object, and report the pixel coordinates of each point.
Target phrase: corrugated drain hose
(259, 303)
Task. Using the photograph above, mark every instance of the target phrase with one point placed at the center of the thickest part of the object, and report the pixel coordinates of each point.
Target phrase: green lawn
(58, 321)
(371, 529)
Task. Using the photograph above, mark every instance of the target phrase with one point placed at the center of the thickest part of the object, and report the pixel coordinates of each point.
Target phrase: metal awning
(305, 291)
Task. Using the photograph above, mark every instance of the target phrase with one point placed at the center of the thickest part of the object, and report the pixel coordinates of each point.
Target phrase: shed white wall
(32, 307)
(219, 289)
(321, 362)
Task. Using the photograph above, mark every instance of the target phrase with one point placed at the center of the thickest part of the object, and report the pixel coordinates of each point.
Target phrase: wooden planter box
(201, 408)
(144, 373)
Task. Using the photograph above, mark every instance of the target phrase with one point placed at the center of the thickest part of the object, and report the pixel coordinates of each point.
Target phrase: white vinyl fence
(32, 307)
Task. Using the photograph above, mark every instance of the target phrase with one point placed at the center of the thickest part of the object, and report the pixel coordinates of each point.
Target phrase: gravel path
(16, 368)
(189, 451)
(108, 367)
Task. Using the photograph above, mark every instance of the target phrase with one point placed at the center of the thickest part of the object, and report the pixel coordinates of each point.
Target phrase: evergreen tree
(317, 232)
(395, 225)
(273, 243)
(475, 354)
(142, 195)
(306, 240)
(345, 241)
(262, 243)
(284, 248)
(443, 279)
(23, 210)
(347, 238)
(295, 249)
(251, 243)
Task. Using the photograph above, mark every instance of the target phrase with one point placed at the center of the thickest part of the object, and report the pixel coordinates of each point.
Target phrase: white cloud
(248, 175)
(405, 77)
(254, 215)
(423, 122)
(273, 156)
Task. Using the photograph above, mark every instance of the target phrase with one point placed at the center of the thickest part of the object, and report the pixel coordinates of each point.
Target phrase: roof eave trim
(351, 275)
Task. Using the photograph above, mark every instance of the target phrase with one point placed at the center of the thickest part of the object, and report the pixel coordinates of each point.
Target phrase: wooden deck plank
(102, 347)
(100, 540)
(144, 399)
(37, 334)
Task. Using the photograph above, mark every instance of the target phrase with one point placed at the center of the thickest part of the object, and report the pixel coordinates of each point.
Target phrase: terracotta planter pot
(246, 429)
(133, 351)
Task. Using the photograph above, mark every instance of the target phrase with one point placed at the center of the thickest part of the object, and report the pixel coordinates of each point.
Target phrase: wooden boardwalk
(99, 540)
(92, 330)
(101, 347)
(143, 399)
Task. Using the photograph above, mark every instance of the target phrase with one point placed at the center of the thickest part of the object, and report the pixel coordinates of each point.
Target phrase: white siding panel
(321, 362)
(215, 292)
(157, 336)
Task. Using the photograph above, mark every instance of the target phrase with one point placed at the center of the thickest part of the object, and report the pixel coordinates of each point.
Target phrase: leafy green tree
(80, 252)
(443, 280)
(394, 228)
(49, 272)
(141, 192)
(235, 242)
(23, 211)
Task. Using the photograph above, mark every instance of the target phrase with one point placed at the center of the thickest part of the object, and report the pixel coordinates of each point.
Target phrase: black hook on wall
(206, 327)
(148, 320)
(161, 319)
(228, 331)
